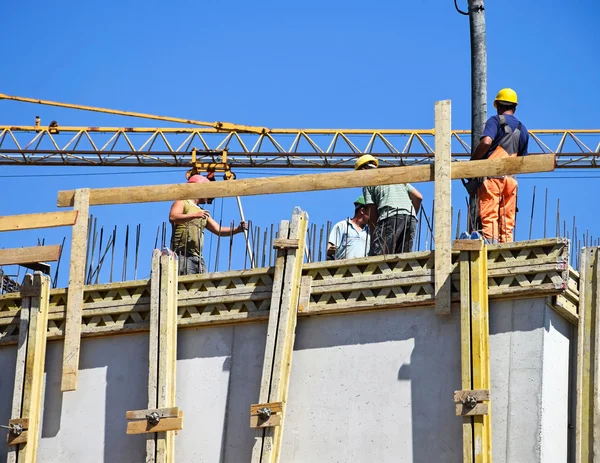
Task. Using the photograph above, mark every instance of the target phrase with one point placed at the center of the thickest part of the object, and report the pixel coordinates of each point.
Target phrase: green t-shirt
(390, 199)
(188, 238)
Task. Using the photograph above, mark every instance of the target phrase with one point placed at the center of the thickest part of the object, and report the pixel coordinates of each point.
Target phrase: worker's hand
(331, 249)
(202, 214)
(241, 227)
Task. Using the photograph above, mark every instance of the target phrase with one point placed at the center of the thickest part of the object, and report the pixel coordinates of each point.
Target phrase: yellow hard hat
(365, 159)
(507, 95)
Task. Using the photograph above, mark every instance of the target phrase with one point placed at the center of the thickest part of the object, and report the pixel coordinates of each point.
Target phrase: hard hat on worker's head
(506, 95)
(366, 161)
(198, 179)
(360, 201)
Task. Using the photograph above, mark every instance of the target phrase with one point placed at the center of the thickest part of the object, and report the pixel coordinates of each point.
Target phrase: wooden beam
(482, 424)
(165, 425)
(311, 182)
(465, 350)
(467, 245)
(32, 385)
(587, 406)
(70, 366)
(280, 336)
(42, 220)
(443, 208)
(153, 349)
(22, 256)
(19, 383)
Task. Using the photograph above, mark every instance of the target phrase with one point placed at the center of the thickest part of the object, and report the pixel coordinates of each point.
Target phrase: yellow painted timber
(20, 256)
(311, 182)
(42, 220)
(479, 351)
(465, 350)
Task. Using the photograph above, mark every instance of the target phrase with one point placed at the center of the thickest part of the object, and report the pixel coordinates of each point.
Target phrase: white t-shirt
(350, 240)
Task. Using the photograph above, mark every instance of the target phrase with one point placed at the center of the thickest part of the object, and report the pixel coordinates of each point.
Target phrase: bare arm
(213, 227)
(482, 148)
(176, 214)
(416, 198)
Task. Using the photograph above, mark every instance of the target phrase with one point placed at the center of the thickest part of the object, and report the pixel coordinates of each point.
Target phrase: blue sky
(289, 64)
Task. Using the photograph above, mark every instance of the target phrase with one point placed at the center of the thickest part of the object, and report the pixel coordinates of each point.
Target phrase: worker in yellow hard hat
(503, 136)
(392, 212)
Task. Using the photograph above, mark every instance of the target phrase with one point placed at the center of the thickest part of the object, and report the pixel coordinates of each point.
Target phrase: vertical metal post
(478, 70)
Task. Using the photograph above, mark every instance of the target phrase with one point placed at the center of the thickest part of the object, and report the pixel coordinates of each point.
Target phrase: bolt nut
(470, 401)
(16, 429)
(264, 413)
(153, 418)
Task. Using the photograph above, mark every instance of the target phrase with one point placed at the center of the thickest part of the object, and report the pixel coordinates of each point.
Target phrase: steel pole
(478, 70)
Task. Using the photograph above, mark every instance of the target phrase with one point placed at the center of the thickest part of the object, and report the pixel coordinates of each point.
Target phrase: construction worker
(350, 238)
(188, 222)
(503, 136)
(392, 211)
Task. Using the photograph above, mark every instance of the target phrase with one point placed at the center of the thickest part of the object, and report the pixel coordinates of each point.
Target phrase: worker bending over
(392, 211)
(350, 238)
(188, 222)
(503, 136)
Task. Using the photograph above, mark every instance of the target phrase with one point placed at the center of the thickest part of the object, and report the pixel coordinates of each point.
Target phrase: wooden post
(70, 367)
(475, 358)
(465, 350)
(587, 434)
(442, 212)
(160, 443)
(280, 336)
(29, 376)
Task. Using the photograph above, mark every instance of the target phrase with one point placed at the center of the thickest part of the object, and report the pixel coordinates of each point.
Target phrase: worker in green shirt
(188, 221)
(393, 212)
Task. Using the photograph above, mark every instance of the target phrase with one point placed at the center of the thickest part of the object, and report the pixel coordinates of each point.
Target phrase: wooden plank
(272, 421)
(172, 412)
(584, 404)
(305, 291)
(466, 245)
(275, 407)
(286, 333)
(19, 382)
(165, 442)
(70, 366)
(595, 352)
(465, 349)
(23, 422)
(282, 243)
(479, 351)
(153, 349)
(312, 182)
(478, 394)
(443, 207)
(13, 440)
(163, 426)
(42, 220)
(34, 367)
(274, 314)
(20, 256)
(478, 410)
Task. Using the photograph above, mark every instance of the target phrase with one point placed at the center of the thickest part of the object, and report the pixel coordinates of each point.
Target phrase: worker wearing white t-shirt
(350, 238)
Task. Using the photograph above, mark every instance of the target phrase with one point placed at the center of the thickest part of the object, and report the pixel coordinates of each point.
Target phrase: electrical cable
(459, 10)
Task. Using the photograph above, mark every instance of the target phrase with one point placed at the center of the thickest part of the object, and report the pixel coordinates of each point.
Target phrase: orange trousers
(498, 208)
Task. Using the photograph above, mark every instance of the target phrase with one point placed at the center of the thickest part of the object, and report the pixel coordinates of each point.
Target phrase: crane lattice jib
(272, 148)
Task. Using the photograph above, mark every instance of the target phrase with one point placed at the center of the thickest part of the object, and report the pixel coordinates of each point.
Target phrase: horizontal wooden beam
(42, 220)
(310, 182)
(14, 256)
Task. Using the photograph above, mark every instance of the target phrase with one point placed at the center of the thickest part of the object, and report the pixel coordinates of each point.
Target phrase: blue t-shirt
(494, 131)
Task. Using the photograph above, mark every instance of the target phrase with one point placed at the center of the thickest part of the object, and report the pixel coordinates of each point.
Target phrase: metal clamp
(15, 429)
(153, 418)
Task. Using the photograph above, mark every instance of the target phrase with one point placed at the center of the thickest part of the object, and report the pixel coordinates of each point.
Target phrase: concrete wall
(365, 387)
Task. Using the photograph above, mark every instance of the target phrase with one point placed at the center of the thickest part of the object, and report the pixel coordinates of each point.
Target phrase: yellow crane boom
(244, 146)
